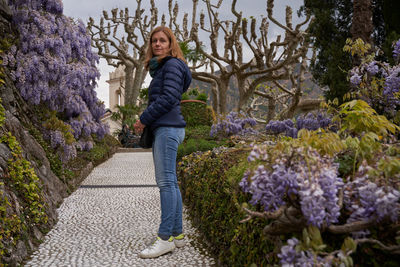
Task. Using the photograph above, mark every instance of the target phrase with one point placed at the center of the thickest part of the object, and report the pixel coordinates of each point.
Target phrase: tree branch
(350, 227)
(265, 215)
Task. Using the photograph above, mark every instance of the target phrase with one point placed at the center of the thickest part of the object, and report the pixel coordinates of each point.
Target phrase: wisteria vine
(233, 124)
(53, 64)
(306, 177)
(379, 82)
(289, 128)
(302, 179)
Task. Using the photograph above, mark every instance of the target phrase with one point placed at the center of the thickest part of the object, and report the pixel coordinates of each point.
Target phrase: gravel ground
(111, 218)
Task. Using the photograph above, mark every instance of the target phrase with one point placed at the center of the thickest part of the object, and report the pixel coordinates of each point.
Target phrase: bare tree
(269, 62)
(122, 39)
(280, 60)
(220, 80)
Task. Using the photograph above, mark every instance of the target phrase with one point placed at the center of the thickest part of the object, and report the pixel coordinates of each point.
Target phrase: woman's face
(160, 44)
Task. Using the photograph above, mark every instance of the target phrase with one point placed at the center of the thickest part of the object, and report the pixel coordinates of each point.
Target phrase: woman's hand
(139, 126)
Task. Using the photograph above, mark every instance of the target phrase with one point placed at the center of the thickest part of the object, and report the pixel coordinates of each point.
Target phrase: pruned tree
(272, 61)
(122, 39)
(280, 59)
(220, 80)
(269, 62)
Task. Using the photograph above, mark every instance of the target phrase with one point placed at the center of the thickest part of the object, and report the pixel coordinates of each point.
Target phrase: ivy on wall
(21, 180)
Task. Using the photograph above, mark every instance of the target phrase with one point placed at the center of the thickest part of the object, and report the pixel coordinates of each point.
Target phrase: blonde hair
(174, 48)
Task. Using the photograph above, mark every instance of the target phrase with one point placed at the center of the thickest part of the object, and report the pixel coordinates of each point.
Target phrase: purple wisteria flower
(396, 50)
(372, 68)
(373, 74)
(355, 79)
(315, 187)
(391, 89)
(366, 200)
(233, 124)
(289, 128)
(290, 256)
(56, 139)
(54, 65)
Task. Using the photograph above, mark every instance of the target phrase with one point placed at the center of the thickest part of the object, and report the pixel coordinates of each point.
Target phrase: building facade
(116, 97)
(116, 88)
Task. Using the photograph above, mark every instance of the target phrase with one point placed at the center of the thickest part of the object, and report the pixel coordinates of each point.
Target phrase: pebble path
(111, 218)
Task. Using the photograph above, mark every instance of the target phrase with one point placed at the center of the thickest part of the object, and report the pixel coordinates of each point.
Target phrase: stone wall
(18, 118)
(17, 112)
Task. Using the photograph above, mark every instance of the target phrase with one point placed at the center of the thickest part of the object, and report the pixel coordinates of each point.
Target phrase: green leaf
(349, 245)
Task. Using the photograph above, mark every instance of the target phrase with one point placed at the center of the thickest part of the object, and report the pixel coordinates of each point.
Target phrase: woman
(171, 78)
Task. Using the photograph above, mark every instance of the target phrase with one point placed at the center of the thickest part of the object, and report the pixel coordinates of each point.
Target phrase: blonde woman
(171, 78)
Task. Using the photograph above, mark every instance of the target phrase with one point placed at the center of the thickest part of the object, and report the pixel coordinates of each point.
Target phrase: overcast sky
(83, 9)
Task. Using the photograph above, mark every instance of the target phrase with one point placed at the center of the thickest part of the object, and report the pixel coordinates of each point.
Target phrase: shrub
(202, 97)
(296, 182)
(376, 82)
(209, 183)
(233, 124)
(294, 186)
(196, 113)
(185, 96)
(198, 132)
(198, 144)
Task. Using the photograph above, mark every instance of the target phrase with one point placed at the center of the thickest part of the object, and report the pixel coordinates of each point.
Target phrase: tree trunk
(214, 97)
(295, 101)
(138, 81)
(362, 21)
(362, 25)
(129, 84)
(133, 83)
(223, 85)
(242, 91)
(271, 109)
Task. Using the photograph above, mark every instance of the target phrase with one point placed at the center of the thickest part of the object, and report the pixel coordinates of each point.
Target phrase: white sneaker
(158, 248)
(179, 241)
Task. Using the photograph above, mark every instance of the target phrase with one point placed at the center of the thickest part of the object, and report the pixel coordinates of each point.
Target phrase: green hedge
(197, 138)
(199, 118)
(196, 113)
(211, 193)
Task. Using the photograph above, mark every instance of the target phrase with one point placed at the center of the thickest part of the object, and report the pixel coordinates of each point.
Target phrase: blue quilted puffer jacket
(170, 80)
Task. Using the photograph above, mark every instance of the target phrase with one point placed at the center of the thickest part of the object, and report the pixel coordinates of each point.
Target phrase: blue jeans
(165, 147)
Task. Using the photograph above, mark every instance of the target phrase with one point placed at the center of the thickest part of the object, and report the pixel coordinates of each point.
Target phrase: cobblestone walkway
(111, 218)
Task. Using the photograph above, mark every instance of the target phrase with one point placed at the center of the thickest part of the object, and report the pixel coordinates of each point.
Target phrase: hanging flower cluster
(307, 178)
(233, 124)
(289, 128)
(54, 65)
(378, 83)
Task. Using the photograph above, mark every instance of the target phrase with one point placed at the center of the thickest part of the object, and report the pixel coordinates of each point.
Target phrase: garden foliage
(20, 178)
(209, 183)
(53, 65)
(197, 113)
(374, 81)
(233, 124)
(326, 185)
